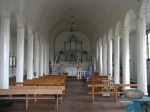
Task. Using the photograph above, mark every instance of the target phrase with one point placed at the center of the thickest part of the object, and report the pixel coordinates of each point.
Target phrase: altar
(72, 71)
(70, 68)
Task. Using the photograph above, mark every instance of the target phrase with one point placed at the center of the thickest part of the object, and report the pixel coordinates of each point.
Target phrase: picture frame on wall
(10, 61)
(14, 61)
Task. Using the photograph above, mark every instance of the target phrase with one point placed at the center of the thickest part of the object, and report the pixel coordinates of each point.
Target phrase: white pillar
(4, 52)
(116, 61)
(125, 56)
(51, 51)
(104, 53)
(94, 64)
(141, 56)
(30, 57)
(45, 59)
(41, 58)
(109, 57)
(97, 56)
(100, 59)
(20, 54)
(36, 57)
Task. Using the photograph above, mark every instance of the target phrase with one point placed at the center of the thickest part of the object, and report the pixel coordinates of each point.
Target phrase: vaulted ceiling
(92, 17)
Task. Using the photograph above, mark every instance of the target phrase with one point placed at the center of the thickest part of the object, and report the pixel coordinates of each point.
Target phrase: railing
(81, 74)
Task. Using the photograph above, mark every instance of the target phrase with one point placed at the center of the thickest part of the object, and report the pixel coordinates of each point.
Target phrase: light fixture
(71, 29)
(72, 20)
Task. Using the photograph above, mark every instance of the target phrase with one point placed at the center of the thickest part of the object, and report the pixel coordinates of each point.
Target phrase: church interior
(75, 55)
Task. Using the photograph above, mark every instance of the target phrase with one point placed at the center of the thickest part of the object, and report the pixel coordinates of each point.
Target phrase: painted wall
(133, 62)
(13, 52)
(51, 50)
(59, 44)
(133, 57)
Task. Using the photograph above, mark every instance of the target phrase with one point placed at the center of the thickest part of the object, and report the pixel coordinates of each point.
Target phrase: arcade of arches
(109, 34)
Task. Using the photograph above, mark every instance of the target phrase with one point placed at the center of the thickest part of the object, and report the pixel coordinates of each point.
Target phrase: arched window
(148, 43)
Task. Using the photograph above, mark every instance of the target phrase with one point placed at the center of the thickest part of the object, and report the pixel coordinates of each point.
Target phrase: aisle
(76, 99)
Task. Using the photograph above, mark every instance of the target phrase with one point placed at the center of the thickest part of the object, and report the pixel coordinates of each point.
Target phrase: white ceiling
(92, 17)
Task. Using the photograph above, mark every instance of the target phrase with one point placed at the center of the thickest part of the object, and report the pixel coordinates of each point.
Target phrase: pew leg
(61, 100)
(26, 102)
(57, 101)
(35, 98)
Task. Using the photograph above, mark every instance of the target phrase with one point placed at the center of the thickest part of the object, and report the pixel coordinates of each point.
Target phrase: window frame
(147, 45)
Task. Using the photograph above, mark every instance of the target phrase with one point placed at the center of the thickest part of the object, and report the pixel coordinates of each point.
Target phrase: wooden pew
(38, 87)
(28, 92)
(116, 86)
(97, 79)
(46, 80)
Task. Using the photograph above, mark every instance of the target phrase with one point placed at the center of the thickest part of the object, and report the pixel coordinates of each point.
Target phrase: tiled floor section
(76, 99)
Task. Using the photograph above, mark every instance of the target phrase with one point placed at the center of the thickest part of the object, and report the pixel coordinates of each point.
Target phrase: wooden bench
(115, 86)
(31, 93)
(53, 80)
(38, 87)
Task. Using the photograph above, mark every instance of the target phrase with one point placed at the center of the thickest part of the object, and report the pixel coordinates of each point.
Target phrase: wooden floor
(76, 99)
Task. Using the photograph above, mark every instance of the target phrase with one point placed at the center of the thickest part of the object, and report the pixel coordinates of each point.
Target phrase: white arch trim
(105, 39)
(130, 16)
(118, 29)
(110, 34)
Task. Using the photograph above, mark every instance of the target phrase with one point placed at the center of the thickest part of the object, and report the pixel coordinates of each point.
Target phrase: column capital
(7, 17)
(36, 36)
(36, 39)
(20, 27)
(125, 28)
(116, 37)
(30, 35)
(141, 18)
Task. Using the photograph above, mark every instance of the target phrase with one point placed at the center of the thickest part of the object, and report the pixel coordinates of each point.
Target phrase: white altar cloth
(72, 71)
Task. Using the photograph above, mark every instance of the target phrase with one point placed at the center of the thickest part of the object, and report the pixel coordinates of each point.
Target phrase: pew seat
(32, 93)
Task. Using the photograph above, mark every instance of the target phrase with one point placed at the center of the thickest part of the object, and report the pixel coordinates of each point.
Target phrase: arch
(36, 35)
(118, 29)
(97, 45)
(63, 37)
(100, 41)
(110, 34)
(143, 8)
(19, 17)
(29, 29)
(105, 39)
(5, 8)
(129, 18)
(13, 23)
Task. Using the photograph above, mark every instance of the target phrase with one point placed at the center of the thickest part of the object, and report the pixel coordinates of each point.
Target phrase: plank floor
(76, 99)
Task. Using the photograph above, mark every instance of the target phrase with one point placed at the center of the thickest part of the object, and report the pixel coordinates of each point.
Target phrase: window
(148, 44)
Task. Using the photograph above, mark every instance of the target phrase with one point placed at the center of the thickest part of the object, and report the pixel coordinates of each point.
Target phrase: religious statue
(89, 73)
(78, 64)
(72, 59)
(61, 69)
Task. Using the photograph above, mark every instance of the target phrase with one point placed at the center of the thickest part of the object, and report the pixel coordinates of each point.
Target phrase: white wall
(13, 48)
(51, 50)
(133, 62)
(13, 52)
(59, 43)
(133, 56)
(25, 56)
